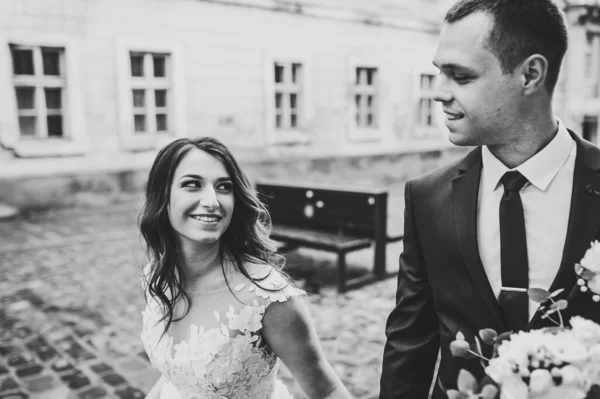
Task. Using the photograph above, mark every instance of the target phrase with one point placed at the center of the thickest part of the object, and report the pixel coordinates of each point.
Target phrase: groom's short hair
(521, 28)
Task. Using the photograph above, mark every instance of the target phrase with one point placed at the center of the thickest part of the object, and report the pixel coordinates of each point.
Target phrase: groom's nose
(441, 91)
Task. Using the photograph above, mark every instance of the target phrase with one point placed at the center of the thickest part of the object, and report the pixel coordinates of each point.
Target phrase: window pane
(293, 101)
(139, 98)
(161, 122)
(294, 120)
(369, 102)
(369, 119)
(370, 76)
(427, 82)
(27, 125)
(278, 73)
(357, 100)
(159, 66)
(357, 119)
(296, 72)
(53, 98)
(160, 98)
(137, 65)
(278, 98)
(140, 123)
(426, 107)
(51, 61)
(55, 128)
(25, 97)
(22, 61)
(359, 72)
(278, 120)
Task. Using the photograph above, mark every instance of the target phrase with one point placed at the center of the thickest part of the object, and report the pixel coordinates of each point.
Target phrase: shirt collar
(540, 169)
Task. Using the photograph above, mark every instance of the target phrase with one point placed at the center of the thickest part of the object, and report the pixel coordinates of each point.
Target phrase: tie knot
(513, 181)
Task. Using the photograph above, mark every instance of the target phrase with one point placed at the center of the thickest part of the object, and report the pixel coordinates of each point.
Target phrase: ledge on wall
(7, 212)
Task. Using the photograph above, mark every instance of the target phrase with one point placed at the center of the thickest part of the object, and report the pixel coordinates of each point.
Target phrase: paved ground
(70, 306)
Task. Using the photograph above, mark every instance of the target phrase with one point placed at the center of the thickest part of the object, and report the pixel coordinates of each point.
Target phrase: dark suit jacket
(442, 286)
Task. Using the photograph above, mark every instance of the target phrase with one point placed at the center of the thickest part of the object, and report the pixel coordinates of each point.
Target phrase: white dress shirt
(546, 207)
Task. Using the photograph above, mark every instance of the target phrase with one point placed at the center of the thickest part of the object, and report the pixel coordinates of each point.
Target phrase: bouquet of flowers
(551, 363)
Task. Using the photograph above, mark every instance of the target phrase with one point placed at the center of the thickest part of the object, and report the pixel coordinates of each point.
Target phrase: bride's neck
(198, 262)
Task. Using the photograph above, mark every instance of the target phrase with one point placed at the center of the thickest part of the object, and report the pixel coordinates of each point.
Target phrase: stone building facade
(97, 86)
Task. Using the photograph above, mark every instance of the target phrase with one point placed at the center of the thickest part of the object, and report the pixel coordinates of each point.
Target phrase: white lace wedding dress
(224, 355)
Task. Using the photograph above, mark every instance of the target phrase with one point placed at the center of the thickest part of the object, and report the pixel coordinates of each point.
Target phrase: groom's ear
(532, 74)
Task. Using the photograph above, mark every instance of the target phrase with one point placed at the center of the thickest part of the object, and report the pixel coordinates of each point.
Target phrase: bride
(219, 311)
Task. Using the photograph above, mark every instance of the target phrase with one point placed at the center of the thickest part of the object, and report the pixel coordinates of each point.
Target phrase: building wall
(222, 57)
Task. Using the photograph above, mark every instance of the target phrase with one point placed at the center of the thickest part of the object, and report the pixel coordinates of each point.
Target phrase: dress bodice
(224, 355)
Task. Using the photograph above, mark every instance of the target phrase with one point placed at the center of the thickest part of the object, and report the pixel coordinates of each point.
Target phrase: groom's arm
(412, 328)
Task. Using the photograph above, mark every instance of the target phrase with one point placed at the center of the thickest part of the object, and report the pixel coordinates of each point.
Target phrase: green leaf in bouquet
(557, 292)
(489, 392)
(559, 305)
(454, 394)
(460, 348)
(583, 272)
(467, 384)
(488, 336)
(538, 295)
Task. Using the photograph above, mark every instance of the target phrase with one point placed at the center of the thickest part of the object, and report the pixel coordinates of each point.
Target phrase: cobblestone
(70, 304)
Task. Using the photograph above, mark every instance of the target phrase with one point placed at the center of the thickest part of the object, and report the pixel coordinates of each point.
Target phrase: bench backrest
(333, 209)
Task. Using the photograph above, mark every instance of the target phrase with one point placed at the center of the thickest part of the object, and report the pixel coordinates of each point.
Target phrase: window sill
(363, 135)
(289, 137)
(137, 142)
(45, 148)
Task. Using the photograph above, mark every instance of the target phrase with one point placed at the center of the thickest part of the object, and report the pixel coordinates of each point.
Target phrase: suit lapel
(466, 192)
(584, 219)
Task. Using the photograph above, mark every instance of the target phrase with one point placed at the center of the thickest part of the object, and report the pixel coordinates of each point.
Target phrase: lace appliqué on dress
(227, 362)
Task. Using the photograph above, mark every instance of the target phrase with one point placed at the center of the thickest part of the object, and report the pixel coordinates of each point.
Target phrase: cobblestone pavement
(70, 305)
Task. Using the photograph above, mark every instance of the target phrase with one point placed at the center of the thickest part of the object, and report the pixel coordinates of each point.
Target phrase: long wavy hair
(245, 240)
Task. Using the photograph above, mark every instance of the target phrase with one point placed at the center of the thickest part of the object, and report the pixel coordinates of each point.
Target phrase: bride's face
(201, 202)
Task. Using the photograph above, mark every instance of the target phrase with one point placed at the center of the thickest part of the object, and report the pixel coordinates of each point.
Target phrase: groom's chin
(461, 139)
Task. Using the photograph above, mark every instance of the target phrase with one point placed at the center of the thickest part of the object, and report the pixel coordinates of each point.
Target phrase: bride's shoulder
(266, 282)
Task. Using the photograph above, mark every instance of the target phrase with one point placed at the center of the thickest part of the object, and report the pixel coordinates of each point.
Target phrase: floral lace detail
(231, 361)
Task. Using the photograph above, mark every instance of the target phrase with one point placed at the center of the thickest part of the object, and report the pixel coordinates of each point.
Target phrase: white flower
(500, 370)
(585, 330)
(514, 388)
(566, 347)
(541, 382)
(591, 259)
(591, 371)
(572, 376)
(594, 284)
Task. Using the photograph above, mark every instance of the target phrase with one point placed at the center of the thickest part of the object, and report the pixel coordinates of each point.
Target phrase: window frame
(173, 83)
(365, 133)
(304, 105)
(74, 140)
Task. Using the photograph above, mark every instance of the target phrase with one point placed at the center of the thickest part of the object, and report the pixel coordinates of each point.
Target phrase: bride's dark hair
(245, 240)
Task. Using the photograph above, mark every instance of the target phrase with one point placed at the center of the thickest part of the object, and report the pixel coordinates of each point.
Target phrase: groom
(516, 213)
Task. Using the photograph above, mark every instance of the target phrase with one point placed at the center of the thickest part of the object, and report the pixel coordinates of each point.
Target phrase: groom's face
(479, 101)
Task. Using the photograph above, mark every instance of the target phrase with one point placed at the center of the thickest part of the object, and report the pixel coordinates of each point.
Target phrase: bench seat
(318, 239)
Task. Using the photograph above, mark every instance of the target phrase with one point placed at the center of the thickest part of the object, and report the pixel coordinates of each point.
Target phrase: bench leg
(341, 273)
(379, 260)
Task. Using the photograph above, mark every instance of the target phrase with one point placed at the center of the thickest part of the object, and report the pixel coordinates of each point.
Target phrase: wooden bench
(334, 219)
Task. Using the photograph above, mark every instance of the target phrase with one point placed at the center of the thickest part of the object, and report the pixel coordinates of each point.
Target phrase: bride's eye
(225, 186)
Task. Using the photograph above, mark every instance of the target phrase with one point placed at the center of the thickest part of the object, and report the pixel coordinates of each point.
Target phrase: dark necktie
(513, 299)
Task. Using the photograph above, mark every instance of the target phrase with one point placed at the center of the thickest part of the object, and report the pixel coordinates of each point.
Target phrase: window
(149, 83)
(426, 103)
(591, 62)
(288, 83)
(589, 128)
(365, 97)
(39, 81)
